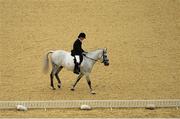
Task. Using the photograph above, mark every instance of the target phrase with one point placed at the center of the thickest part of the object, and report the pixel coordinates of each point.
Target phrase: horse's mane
(89, 52)
(97, 49)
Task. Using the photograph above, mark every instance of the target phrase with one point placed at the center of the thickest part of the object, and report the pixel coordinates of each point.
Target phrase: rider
(77, 52)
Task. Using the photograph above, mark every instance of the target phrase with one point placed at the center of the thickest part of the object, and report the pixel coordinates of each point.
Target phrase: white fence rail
(88, 118)
(92, 103)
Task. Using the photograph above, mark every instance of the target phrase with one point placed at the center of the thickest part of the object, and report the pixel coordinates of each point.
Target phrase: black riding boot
(76, 68)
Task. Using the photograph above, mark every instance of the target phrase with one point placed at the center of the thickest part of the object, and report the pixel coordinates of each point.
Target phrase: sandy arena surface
(142, 37)
(101, 113)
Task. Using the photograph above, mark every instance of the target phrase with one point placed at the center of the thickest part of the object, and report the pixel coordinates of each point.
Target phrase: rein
(92, 58)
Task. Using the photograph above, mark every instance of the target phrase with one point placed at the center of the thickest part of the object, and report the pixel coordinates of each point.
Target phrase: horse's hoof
(72, 89)
(53, 88)
(93, 92)
(59, 86)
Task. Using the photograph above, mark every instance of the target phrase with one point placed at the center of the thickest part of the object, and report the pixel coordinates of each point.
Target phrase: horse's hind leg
(78, 78)
(52, 76)
(57, 77)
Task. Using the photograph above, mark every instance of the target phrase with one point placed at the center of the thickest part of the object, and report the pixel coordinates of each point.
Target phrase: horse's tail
(46, 62)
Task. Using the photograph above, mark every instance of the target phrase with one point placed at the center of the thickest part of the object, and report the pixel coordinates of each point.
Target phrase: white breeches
(77, 58)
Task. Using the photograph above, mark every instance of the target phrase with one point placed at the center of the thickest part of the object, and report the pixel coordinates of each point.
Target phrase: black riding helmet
(83, 35)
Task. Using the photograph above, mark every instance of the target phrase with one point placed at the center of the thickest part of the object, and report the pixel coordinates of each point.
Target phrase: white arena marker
(21, 108)
(85, 107)
(150, 106)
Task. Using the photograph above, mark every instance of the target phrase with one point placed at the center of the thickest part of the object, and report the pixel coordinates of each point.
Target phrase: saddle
(72, 53)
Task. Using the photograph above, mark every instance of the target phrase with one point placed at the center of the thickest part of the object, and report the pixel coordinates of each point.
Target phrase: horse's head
(104, 59)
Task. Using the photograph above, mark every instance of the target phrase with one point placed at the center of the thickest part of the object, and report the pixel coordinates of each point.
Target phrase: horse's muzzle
(106, 64)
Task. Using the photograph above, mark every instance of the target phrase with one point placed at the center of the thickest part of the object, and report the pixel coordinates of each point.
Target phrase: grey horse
(62, 59)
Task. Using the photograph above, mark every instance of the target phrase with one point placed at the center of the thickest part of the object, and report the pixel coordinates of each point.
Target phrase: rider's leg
(81, 59)
(76, 62)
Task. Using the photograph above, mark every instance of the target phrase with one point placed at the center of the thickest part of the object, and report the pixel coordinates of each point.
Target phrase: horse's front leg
(78, 78)
(89, 83)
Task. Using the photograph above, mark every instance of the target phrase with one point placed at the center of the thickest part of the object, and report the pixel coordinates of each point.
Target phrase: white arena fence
(92, 103)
